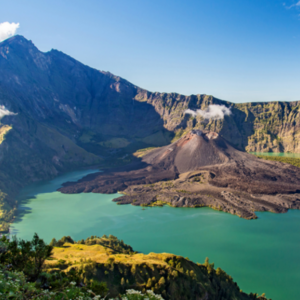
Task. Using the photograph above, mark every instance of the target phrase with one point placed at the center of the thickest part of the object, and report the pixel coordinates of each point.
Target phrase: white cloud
(7, 30)
(214, 111)
(297, 4)
(5, 112)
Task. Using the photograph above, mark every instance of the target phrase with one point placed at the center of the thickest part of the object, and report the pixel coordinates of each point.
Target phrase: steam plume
(214, 112)
(7, 30)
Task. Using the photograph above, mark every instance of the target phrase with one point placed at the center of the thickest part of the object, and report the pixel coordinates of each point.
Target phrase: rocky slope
(70, 116)
(201, 169)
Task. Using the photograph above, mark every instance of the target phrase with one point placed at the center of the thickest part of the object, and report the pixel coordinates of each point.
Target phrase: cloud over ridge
(213, 112)
(7, 30)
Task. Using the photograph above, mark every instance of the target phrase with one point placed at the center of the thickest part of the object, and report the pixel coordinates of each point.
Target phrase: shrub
(136, 295)
(26, 256)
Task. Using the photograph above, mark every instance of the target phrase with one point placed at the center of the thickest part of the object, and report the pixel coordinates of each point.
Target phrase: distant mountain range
(70, 116)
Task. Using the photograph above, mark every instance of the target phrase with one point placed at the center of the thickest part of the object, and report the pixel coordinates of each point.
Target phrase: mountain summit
(68, 116)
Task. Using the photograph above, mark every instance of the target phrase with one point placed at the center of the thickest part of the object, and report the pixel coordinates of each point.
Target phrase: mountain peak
(19, 39)
(18, 46)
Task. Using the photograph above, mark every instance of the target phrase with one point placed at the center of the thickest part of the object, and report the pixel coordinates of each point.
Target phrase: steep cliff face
(276, 127)
(69, 115)
(254, 127)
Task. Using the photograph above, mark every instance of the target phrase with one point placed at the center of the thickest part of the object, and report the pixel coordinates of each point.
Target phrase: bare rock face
(201, 169)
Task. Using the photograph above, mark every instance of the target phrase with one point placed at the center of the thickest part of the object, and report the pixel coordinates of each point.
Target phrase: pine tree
(162, 281)
(149, 283)
(122, 281)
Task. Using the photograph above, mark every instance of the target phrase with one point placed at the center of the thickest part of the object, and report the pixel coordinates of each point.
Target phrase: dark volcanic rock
(195, 150)
(202, 168)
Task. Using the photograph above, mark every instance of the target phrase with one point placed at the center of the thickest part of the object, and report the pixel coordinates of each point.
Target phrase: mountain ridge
(72, 116)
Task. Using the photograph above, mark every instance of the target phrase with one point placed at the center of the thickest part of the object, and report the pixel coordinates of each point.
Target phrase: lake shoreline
(246, 250)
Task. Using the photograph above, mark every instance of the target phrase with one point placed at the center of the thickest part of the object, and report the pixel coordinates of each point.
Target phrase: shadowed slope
(189, 153)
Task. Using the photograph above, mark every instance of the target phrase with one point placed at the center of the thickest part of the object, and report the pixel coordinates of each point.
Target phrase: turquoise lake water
(261, 255)
(293, 155)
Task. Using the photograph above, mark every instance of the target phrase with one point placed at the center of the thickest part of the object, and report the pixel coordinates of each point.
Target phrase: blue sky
(241, 50)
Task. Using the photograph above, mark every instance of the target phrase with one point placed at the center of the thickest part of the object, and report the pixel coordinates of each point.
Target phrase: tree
(206, 263)
(149, 283)
(162, 281)
(122, 281)
(209, 266)
(26, 256)
(53, 242)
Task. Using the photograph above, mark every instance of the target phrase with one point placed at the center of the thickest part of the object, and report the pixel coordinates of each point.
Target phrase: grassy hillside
(106, 267)
(111, 261)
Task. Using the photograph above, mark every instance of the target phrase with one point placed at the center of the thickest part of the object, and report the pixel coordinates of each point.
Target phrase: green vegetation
(94, 270)
(25, 256)
(23, 275)
(142, 152)
(197, 179)
(22, 165)
(271, 124)
(160, 138)
(8, 208)
(115, 143)
(178, 134)
(86, 137)
(184, 192)
(287, 160)
(157, 203)
(109, 242)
